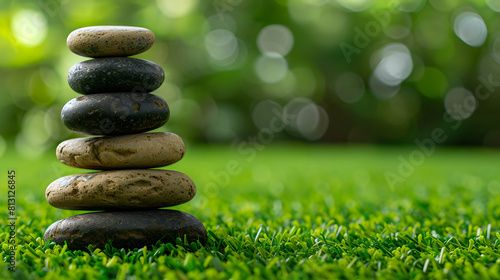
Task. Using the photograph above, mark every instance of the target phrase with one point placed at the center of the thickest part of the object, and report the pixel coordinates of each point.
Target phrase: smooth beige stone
(121, 190)
(105, 41)
(145, 150)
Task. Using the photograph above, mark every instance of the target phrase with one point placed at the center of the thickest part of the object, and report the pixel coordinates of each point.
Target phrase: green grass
(294, 211)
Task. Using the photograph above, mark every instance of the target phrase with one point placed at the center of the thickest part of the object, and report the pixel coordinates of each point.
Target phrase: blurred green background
(330, 71)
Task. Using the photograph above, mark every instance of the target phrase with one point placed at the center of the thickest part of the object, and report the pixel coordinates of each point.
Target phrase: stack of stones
(116, 103)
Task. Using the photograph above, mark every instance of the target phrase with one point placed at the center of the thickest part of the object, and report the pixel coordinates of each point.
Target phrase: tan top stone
(121, 189)
(103, 41)
(145, 150)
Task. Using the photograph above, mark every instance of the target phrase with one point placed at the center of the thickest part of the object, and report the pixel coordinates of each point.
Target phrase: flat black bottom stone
(127, 229)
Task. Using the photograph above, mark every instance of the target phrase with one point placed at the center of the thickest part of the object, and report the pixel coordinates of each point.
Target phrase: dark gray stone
(133, 229)
(115, 74)
(115, 113)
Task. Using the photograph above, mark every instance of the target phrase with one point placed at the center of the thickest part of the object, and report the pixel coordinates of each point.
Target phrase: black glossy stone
(115, 113)
(126, 229)
(115, 74)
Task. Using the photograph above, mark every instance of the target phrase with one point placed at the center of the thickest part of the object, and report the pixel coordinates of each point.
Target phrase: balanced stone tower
(116, 104)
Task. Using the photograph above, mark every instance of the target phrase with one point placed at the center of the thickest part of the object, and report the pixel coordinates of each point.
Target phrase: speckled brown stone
(126, 229)
(144, 150)
(115, 113)
(102, 41)
(121, 190)
(115, 74)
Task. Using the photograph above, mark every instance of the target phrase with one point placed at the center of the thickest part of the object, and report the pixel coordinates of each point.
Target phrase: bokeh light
(29, 27)
(225, 50)
(271, 67)
(312, 121)
(176, 8)
(382, 90)
(221, 44)
(470, 28)
(307, 119)
(460, 103)
(275, 38)
(494, 5)
(396, 64)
